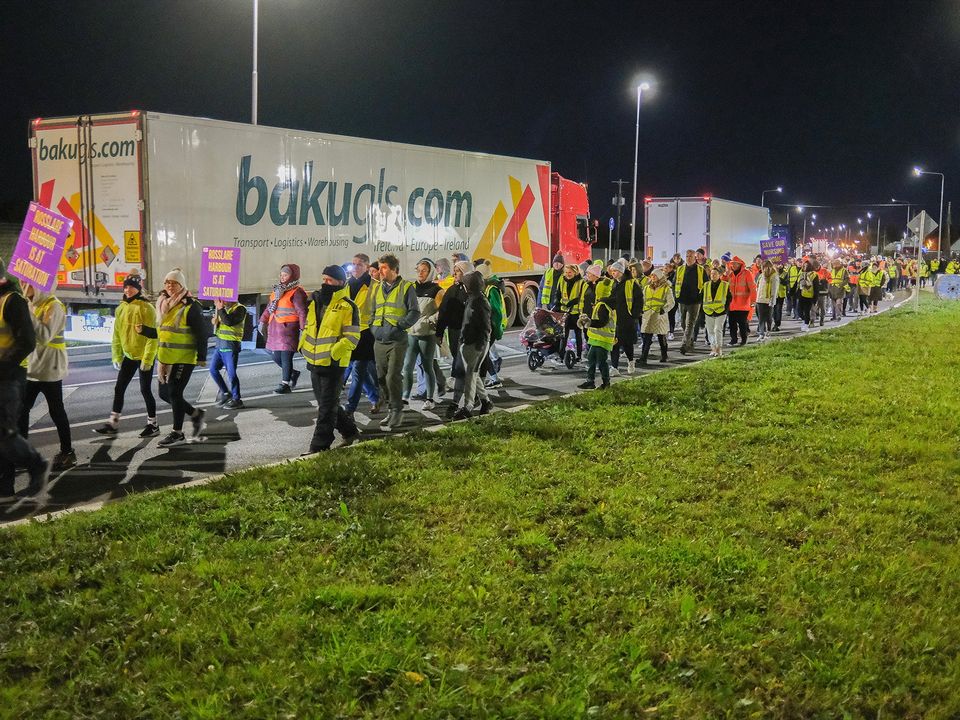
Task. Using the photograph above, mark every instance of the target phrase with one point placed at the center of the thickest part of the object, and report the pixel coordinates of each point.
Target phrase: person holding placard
(228, 327)
(46, 368)
(17, 341)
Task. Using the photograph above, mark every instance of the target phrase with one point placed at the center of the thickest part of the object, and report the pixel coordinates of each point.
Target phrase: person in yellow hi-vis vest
(362, 372)
(658, 301)
(395, 308)
(133, 353)
(17, 341)
(330, 336)
(228, 323)
(181, 346)
(46, 369)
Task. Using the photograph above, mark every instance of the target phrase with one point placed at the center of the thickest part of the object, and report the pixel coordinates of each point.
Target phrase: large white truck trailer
(677, 224)
(147, 191)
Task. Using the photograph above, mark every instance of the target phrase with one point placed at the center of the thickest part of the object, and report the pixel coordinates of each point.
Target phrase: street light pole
(636, 155)
(778, 189)
(256, 14)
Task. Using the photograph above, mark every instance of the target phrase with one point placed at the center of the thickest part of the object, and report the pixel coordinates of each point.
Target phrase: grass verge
(770, 535)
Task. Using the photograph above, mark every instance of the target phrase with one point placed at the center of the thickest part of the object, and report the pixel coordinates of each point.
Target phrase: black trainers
(233, 404)
(172, 439)
(462, 414)
(222, 398)
(199, 425)
(486, 407)
(106, 429)
(282, 389)
(150, 430)
(63, 461)
(294, 376)
(588, 385)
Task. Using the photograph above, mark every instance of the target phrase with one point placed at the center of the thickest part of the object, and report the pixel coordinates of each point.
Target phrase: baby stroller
(543, 336)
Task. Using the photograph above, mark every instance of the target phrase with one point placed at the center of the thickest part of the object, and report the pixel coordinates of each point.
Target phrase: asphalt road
(271, 428)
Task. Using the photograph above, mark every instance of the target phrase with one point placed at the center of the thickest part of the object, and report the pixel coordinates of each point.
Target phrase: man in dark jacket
(17, 341)
(474, 342)
(450, 320)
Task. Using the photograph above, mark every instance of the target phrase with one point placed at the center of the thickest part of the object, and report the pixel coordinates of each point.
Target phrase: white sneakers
(631, 367)
(428, 405)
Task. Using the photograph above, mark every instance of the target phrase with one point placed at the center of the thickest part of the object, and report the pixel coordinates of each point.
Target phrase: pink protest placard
(219, 274)
(36, 258)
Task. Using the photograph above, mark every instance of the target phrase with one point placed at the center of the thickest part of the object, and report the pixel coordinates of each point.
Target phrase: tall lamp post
(256, 15)
(918, 172)
(777, 189)
(804, 235)
(636, 155)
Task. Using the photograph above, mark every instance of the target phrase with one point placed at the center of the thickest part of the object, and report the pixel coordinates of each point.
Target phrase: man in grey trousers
(689, 293)
(394, 309)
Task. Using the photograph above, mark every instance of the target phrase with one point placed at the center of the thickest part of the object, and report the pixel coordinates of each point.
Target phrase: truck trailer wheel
(528, 303)
(510, 302)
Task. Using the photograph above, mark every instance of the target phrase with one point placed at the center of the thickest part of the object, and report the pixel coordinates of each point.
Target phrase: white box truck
(675, 225)
(148, 191)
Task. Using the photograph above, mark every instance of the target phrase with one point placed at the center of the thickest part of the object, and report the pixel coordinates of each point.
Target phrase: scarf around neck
(278, 290)
(165, 302)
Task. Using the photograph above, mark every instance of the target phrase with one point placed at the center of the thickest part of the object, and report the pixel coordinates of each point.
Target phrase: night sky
(835, 101)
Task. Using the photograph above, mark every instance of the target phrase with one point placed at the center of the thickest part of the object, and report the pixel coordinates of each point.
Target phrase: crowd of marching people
(370, 329)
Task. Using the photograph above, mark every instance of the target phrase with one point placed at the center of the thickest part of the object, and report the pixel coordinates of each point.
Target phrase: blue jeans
(226, 359)
(284, 358)
(494, 358)
(363, 379)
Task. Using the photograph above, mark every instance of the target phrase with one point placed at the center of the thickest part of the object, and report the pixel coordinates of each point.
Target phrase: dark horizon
(834, 102)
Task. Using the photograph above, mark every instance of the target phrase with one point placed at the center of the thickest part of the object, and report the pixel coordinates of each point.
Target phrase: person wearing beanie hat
(593, 271)
(281, 322)
(550, 283)
(177, 276)
(330, 335)
(464, 266)
(658, 300)
(133, 352)
(422, 337)
(601, 326)
(181, 345)
(46, 369)
(625, 301)
(17, 341)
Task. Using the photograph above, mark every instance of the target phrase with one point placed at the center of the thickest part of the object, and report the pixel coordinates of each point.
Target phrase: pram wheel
(570, 359)
(534, 360)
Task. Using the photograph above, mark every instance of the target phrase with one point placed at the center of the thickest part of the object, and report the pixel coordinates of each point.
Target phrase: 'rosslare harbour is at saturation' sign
(219, 274)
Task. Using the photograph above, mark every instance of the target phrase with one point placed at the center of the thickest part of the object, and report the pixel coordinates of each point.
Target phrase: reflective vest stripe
(390, 307)
(57, 343)
(606, 335)
(681, 271)
(173, 331)
(285, 312)
(233, 333)
(655, 299)
(715, 305)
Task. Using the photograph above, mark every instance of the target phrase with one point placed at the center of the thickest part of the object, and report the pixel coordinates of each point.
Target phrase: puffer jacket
(126, 342)
(427, 294)
(49, 317)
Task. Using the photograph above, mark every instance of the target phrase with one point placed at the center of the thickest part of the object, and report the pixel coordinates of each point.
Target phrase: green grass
(770, 535)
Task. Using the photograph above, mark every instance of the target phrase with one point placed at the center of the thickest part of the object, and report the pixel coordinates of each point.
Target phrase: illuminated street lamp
(641, 87)
(777, 189)
(918, 172)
